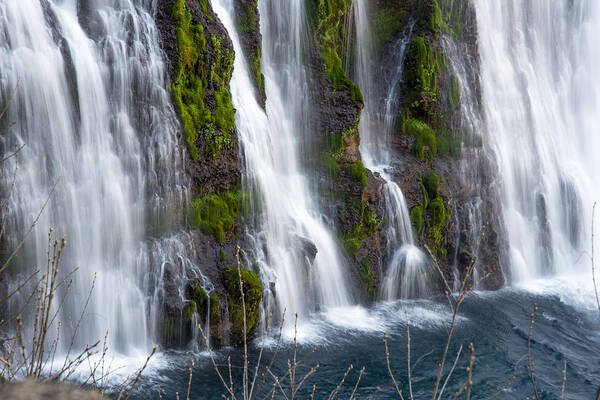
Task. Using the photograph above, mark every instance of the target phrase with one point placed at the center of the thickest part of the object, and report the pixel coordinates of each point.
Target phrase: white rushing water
(542, 108)
(291, 221)
(91, 108)
(405, 272)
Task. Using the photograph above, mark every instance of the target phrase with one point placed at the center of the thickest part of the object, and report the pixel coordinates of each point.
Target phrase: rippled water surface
(497, 323)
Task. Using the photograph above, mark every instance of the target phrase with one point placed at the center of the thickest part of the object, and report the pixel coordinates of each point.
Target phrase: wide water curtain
(91, 110)
(291, 225)
(542, 112)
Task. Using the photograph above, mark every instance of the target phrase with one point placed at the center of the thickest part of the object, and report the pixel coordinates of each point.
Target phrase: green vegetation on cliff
(431, 216)
(201, 85)
(365, 228)
(330, 36)
(253, 294)
(215, 214)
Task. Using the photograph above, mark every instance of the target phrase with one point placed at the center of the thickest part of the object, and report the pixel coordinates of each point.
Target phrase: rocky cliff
(437, 147)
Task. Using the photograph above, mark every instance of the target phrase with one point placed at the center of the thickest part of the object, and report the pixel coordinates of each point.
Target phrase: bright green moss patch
(416, 218)
(422, 67)
(358, 172)
(198, 83)
(216, 214)
(425, 145)
(253, 294)
(200, 298)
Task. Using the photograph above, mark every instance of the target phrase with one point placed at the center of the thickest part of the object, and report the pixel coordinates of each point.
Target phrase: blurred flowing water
(542, 111)
(271, 139)
(84, 84)
(85, 89)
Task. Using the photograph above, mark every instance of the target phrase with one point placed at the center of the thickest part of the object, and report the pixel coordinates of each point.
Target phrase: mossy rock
(253, 294)
(358, 172)
(216, 214)
(416, 218)
(201, 84)
(425, 144)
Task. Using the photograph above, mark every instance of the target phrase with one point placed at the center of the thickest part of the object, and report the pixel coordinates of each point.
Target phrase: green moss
(364, 229)
(189, 308)
(432, 182)
(253, 293)
(437, 217)
(454, 93)
(422, 67)
(257, 75)
(200, 298)
(330, 20)
(215, 320)
(246, 20)
(198, 83)
(223, 255)
(352, 245)
(416, 218)
(425, 145)
(216, 214)
(430, 15)
(358, 172)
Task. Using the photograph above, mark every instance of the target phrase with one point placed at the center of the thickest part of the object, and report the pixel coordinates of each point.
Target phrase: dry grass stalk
(389, 368)
(530, 363)
(362, 370)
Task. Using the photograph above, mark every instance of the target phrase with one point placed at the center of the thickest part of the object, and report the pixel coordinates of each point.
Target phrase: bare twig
(339, 386)
(451, 371)
(357, 382)
(529, 359)
(187, 397)
(470, 370)
(564, 382)
(389, 368)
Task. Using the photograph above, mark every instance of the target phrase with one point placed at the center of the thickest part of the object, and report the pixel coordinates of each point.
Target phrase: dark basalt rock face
(440, 163)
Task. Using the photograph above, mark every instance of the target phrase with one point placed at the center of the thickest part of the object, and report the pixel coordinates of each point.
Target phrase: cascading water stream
(406, 274)
(91, 108)
(542, 109)
(291, 220)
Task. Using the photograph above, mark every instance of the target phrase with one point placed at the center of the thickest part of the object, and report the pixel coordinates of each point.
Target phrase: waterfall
(291, 222)
(87, 83)
(406, 274)
(542, 108)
